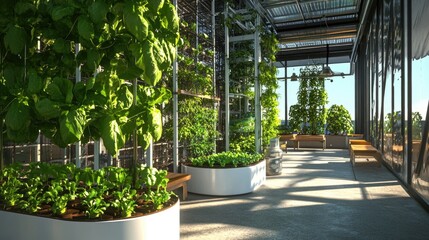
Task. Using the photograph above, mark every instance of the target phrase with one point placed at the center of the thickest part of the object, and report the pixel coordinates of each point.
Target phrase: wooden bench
(283, 138)
(177, 180)
(309, 138)
(357, 142)
(364, 151)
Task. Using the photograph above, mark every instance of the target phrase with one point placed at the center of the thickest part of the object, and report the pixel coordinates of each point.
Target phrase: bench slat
(359, 142)
(309, 138)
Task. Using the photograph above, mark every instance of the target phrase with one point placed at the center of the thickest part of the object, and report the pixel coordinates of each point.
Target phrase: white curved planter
(161, 225)
(225, 181)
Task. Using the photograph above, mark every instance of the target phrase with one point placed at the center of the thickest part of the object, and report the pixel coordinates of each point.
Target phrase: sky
(420, 88)
(341, 91)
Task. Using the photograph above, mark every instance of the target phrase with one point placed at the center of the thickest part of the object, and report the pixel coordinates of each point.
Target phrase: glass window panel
(398, 130)
(387, 114)
(420, 96)
(380, 42)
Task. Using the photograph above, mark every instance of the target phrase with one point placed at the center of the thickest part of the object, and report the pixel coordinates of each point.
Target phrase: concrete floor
(319, 195)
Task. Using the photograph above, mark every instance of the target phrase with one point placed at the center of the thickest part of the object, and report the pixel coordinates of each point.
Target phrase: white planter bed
(161, 225)
(225, 181)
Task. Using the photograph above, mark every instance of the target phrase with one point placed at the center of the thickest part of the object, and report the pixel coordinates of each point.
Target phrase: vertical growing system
(309, 115)
(250, 102)
(191, 119)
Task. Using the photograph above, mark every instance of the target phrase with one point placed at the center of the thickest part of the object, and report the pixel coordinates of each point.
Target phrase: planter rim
(253, 164)
(96, 220)
(226, 181)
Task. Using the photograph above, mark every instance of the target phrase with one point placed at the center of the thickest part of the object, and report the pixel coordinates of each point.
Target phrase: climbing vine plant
(312, 98)
(122, 40)
(242, 81)
(197, 123)
(268, 79)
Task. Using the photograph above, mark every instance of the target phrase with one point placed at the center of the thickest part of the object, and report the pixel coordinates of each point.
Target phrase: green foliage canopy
(122, 40)
(339, 121)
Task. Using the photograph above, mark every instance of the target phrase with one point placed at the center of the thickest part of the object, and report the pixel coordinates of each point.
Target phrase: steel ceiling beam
(314, 52)
(318, 22)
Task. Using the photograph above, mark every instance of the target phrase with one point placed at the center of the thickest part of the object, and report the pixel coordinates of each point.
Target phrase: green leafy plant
(55, 196)
(226, 159)
(296, 118)
(339, 121)
(94, 191)
(126, 39)
(155, 182)
(197, 116)
(197, 127)
(33, 196)
(309, 115)
(242, 82)
(125, 202)
(94, 202)
(268, 79)
(417, 125)
(10, 191)
(243, 134)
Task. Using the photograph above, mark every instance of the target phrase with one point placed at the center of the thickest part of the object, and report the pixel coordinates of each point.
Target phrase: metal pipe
(175, 111)
(78, 79)
(286, 122)
(149, 154)
(135, 136)
(335, 75)
(213, 10)
(226, 80)
(97, 144)
(1, 144)
(258, 108)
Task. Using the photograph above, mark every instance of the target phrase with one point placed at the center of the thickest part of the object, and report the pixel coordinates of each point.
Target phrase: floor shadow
(319, 198)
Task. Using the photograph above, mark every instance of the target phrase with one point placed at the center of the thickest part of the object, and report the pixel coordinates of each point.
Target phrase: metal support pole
(38, 142)
(38, 148)
(175, 113)
(135, 136)
(197, 30)
(97, 145)
(1, 144)
(78, 79)
(258, 108)
(149, 154)
(226, 80)
(286, 108)
(96, 155)
(214, 60)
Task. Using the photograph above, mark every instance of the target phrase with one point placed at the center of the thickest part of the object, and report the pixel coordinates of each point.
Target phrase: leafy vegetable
(28, 188)
(226, 159)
